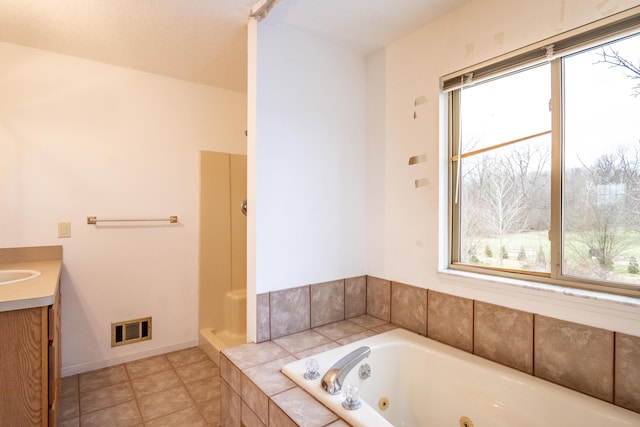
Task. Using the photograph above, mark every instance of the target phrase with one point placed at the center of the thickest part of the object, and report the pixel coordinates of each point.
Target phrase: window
(545, 162)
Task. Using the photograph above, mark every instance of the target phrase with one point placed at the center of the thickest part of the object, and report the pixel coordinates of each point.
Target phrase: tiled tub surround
(601, 363)
(253, 391)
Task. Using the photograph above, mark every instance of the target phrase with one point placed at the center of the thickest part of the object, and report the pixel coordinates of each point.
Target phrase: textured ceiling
(361, 25)
(204, 41)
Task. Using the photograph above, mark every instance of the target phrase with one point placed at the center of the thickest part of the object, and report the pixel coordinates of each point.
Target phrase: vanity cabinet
(30, 366)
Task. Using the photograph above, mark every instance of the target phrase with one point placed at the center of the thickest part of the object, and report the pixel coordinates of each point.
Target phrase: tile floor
(181, 388)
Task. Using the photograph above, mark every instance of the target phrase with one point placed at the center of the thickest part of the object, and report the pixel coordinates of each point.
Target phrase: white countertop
(37, 292)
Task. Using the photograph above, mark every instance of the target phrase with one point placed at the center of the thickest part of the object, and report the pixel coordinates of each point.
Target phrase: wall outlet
(64, 229)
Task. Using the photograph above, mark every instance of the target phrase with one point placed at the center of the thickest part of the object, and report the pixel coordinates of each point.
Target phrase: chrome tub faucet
(333, 380)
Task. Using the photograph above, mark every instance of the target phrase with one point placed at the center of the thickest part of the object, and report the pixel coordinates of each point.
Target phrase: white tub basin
(418, 382)
(13, 276)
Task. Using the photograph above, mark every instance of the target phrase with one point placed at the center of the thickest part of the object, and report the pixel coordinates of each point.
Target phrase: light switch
(64, 229)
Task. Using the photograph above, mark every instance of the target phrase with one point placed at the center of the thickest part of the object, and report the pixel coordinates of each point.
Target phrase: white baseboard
(99, 364)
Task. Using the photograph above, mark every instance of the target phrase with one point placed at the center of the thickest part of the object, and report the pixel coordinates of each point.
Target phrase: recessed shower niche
(222, 299)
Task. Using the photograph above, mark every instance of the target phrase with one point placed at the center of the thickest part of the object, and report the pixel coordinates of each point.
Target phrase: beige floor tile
(148, 366)
(164, 403)
(187, 356)
(204, 389)
(154, 383)
(211, 411)
(70, 386)
(122, 415)
(198, 371)
(105, 397)
(189, 417)
(69, 408)
(102, 378)
(73, 422)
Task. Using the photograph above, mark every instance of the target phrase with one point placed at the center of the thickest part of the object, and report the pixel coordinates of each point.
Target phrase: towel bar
(94, 220)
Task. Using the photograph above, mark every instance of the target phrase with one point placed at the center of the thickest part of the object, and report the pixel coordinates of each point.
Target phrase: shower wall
(223, 248)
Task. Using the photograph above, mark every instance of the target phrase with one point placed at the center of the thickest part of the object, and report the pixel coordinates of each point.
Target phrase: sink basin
(13, 276)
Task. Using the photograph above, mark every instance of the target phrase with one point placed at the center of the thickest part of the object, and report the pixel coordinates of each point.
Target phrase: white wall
(406, 225)
(80, 138)
(310, 177)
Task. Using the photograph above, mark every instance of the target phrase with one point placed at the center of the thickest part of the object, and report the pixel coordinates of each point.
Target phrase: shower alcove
(222, 298)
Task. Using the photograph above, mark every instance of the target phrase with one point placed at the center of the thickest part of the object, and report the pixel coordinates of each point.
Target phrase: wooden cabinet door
(24, 364)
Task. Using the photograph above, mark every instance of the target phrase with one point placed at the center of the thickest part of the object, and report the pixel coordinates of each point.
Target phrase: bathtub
(418, 382)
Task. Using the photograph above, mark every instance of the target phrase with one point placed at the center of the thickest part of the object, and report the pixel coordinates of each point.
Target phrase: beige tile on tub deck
(278, 418)
(301, 341)
(355, 296)
(230, 405)
(269, 378)
(249, 418)
(338, 330)
(379, 298)
(248, 355)
(255, 399)
(230, 373)
(356, 337)
(303, 409)
(263, 324)
(575, 356)
(627, 373)
(290, 311)
(368, 322)
(504, 335)
(409, 307)
(327, 302)
(450, 320)
(317, 350)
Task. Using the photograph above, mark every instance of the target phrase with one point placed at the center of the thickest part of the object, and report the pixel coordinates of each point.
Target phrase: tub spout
(334, 378)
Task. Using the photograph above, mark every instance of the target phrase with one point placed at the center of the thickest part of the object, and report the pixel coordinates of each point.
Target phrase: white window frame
(551, 50)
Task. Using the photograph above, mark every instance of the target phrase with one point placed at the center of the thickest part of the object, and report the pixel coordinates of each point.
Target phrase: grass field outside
(531, 252)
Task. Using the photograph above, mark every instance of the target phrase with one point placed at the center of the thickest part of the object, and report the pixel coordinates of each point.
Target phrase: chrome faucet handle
(351, 397)
(312, 369)
(364, 371)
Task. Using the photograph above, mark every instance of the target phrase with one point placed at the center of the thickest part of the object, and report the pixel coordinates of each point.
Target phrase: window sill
(607, 311)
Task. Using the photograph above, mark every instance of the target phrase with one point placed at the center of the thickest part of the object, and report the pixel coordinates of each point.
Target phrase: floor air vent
(130, 331)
